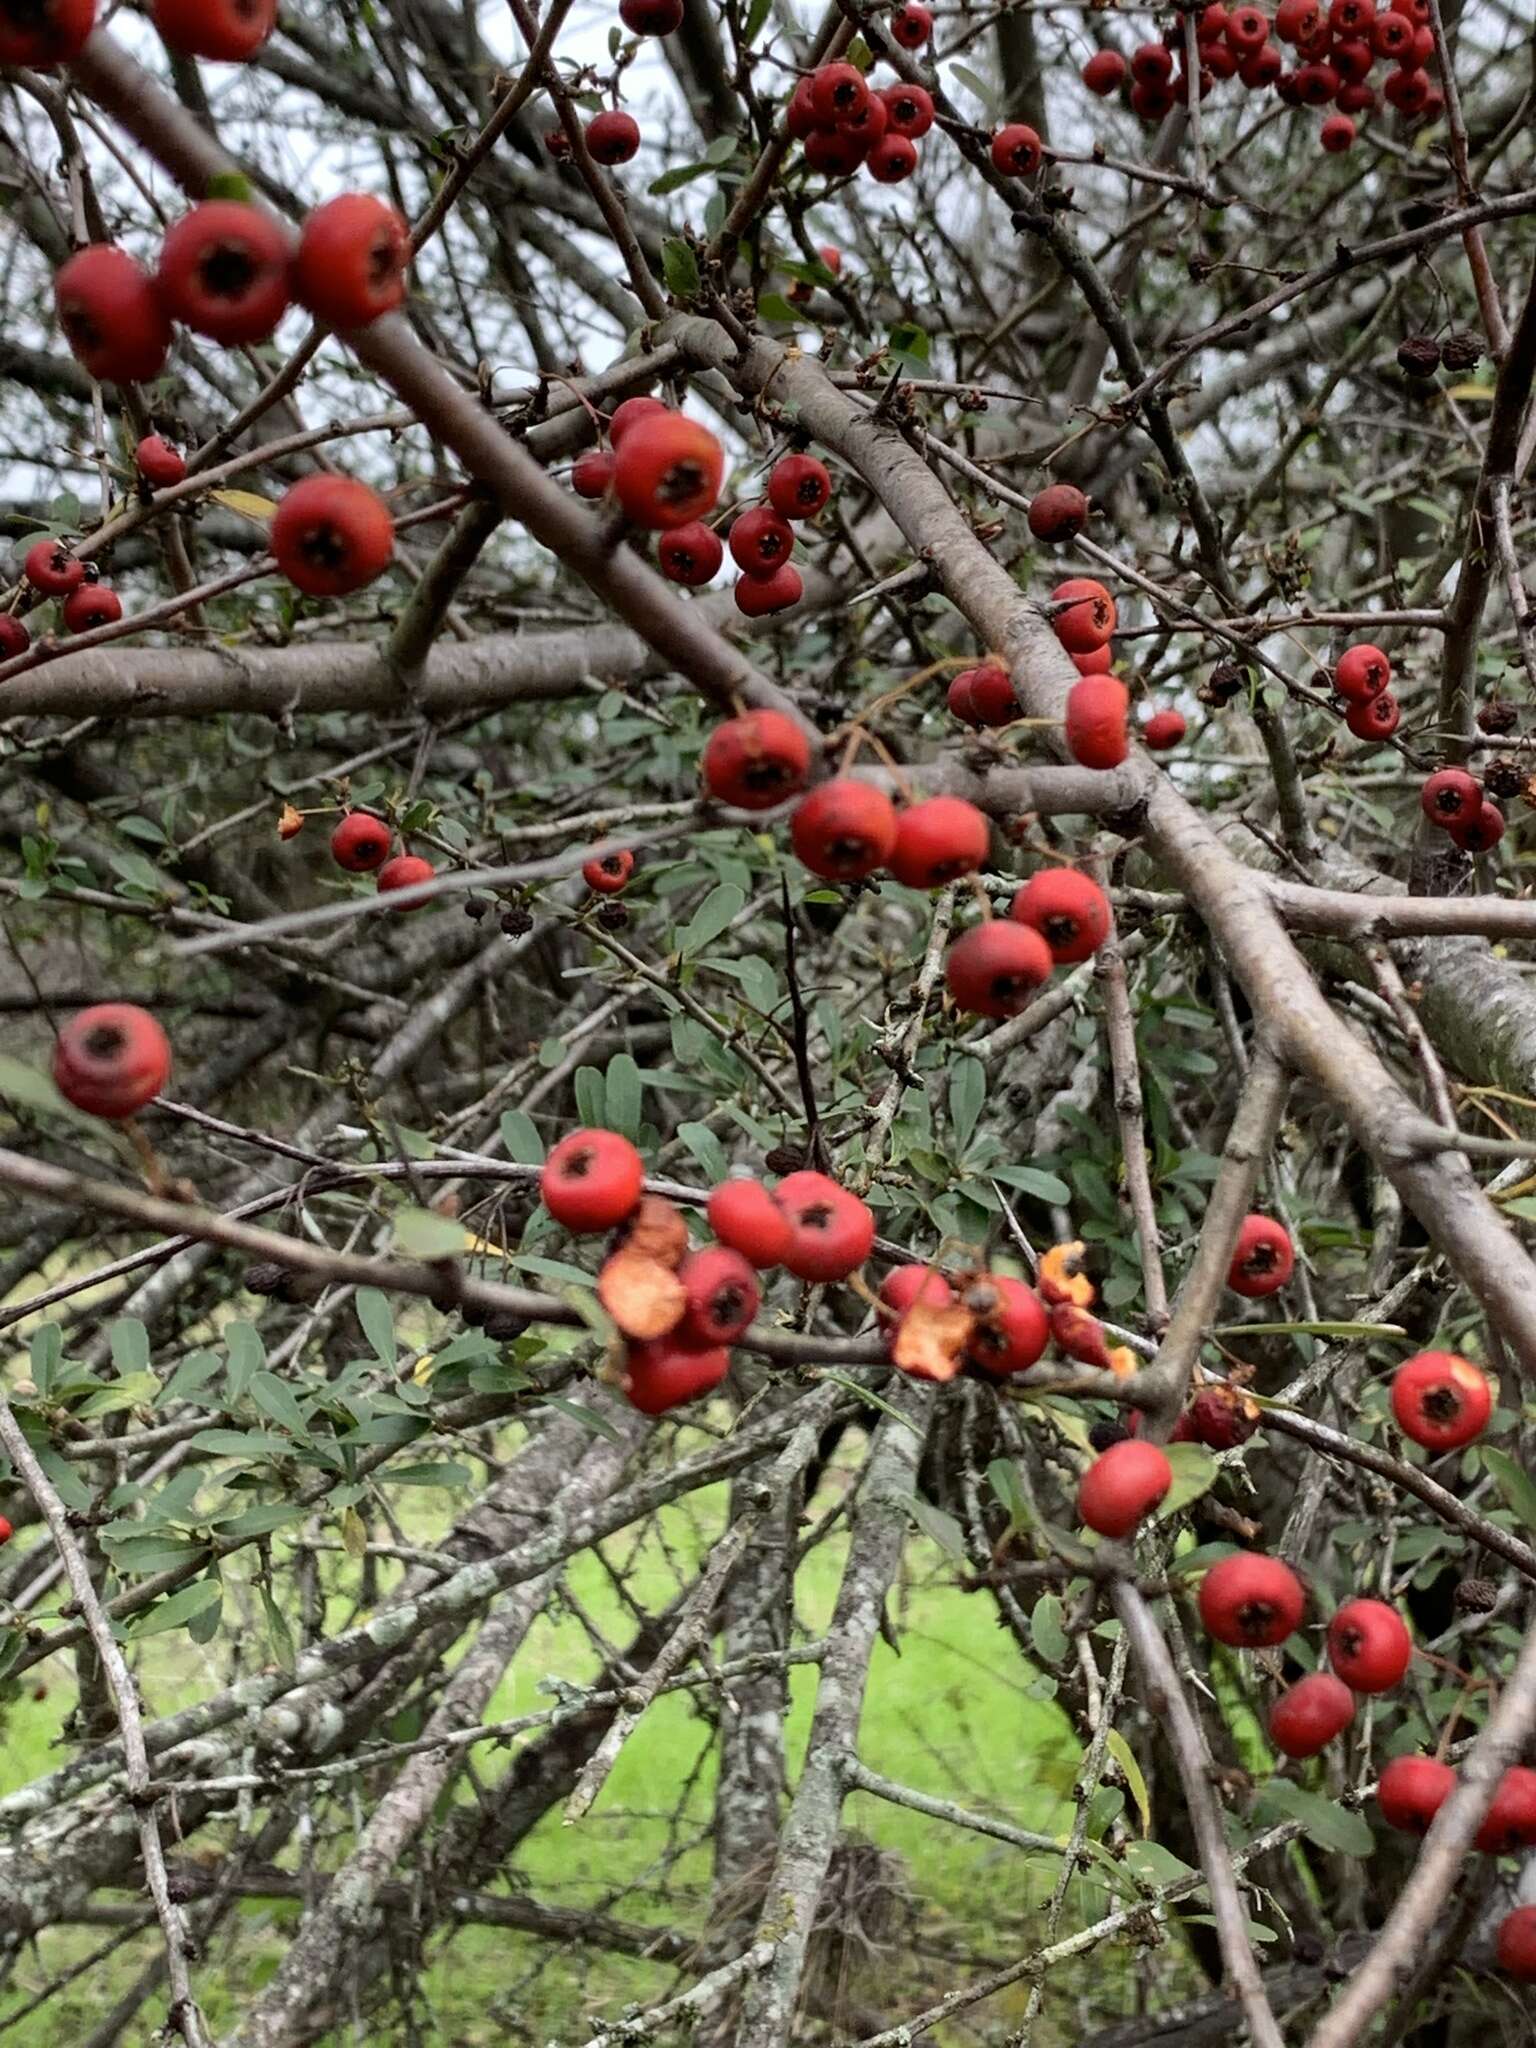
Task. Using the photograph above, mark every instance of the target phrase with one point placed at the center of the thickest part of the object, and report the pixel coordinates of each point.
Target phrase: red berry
(1423, 46)
(1068, 909)
(1263, 1258)
(1011, 1329)
(1408, 91)
(868, 124)
(745, 1216)
(723, 1296)
(112, 315)
(1151, 102)
(911, 25)
(1104, 73)
(404, 872)
(1059, 512)
(224, 272)
(1220, 1418)
(893, 158)
(1412, 1790)
(838, 93)
(1440, 1400)
(908, 111)
(1098, 661)
(1376, 720)
(613, 137)
(903, 1287)
(995, 968)
(960, 699)
(51, 570)
(1369, 1645)
(1336, 135)
(756, 761)
(1247, 30)
(760, 540)
(1356, 99)
(991, 695)
(1250, 1601)
(228, 31)
(1297, 20)
(1307, 1717)
(836, 152)
(92, 605)
(350, 266)
(1097, 710)
(610, 872)
(1163, 730)
(667, 470)
(1219, 59)
(14, 637)
(1352, 60)
(629, 414)
(1451, 797)
(1122, 1486)
(690, 554)
(332, 535)
(558, 143)
(651, 17)
(1152, 64)
(1392, 34)
(1516, 1944)
(1262, 68)
(591, 1181)
(1085, 617)
(844, 830)
(361, 843)
(1482, 833)
(6, 1531)
(1363, 672)
(798, 487)
(43, 33)
(665, 1373)
(111, 1059)
(938, 841)
(1352, 17)
(592, 473)
(159, 463)
(1510, 1822)
(831, 1230)
(758, 596)
(1016, 150)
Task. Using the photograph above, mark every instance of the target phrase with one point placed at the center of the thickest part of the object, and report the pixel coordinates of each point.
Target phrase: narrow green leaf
(423, 1234)
(377, 1319)
(1120, 1750)
(175, 1611)
(967, 1093)
(723, 903)
(1513, 1482)
(1045, 1630)
(520, 1136)
(587, 1417)
(130, 1345)
(274, 1397)
(939, 1527)
(621, 1095)
(680, 268)
(1194, 1473)
(1009, 1488)
(588, 1085)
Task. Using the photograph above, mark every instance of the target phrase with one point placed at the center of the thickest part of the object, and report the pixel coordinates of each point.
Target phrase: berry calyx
(938, 841)
(351, 261)
(332, 535)
(664, 1373)
(159, 463)
(996, 968)
(52, 570)
(723, 1295)
(1263, 1258)
(1164, 730)
(689, 554)
(1411, 1791)
(592, 473)
(1059, 512)
(838, 93)
(92, 605)
(911, 25)
(591, 1181)
(609, 873)
(43, 33)
(1068, 909)
(227, 31)
(1098, 711)
(798, 486)
(1307, 1717)
(224, 272)
(113, 316)
(1369, 1645)
(1122, 1486)
(1451, 797)
(404, 872)
(1084, 614)
(361, 843)
(1441, 1400)
(745, 1216)
(111, 1059)
(613, 137)
(908, 111)
(831, 1230)
(1377, 719)
(844, 830)
(1363, 671)
(1011, 1328)
(1250, 1601)
(893, 158)
(1016, 149)
(756, 761)
(760, 541)
(667, 470)
(759, 596)
(1515, 1944)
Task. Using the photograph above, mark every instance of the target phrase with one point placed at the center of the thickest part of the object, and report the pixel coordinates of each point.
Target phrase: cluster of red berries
(1457, 803)
(1361, 679)
(843, 122)
(1098, 704)
(1412, 1790)
(361, 844)
(994, 1324)
(665, 471)
(111, 1059)
(1336, 50)
(44, 33)
(51, 571)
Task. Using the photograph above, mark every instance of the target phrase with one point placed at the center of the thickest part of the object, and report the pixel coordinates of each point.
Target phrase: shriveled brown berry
(1418, 355)
(516, 921)
(1222, 684)
(786, 1159)
(1497, 716)
(1476, 1596)
(1504, 777)
(1461, 351)
(613, 917)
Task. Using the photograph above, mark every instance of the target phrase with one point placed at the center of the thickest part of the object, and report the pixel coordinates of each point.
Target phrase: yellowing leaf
(354, 1533)
(421, 1372)
(1120, 1750)
(249, 504)
(1482, 391)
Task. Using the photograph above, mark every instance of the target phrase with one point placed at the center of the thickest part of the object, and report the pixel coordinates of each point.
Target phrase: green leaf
(423, 1234)
(520, 1136)
(677, 177)
(279, 1631)
(621, 1093)
(723, 903)
(1120, 1750)
(67, 1483)
(1031, 1180)
(176, 1611)
(587, 1417)
(938, 1526)
(247, 1355)
(127, 1393)
(1194, 1473)
(909, 343)
(193, 1373)
(445, 1472)
(276, 1398)
(230, 185)
(680, 268)
(975, 84)
(588, 1084)
(378, 1323)
(967, 1093)
(44, 1353)
(263, 1519)
(1364, 1331)
(721, 150)
(1323, 1821)
(775, 307)
(130, 1345)
(150, 1553)
(1045, 1630)
(30, 1088)
(871, 1399)
(241, 1443)
(1156, 1866)
(706, 1148)
(1006, 1484)
(1513, 1482)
